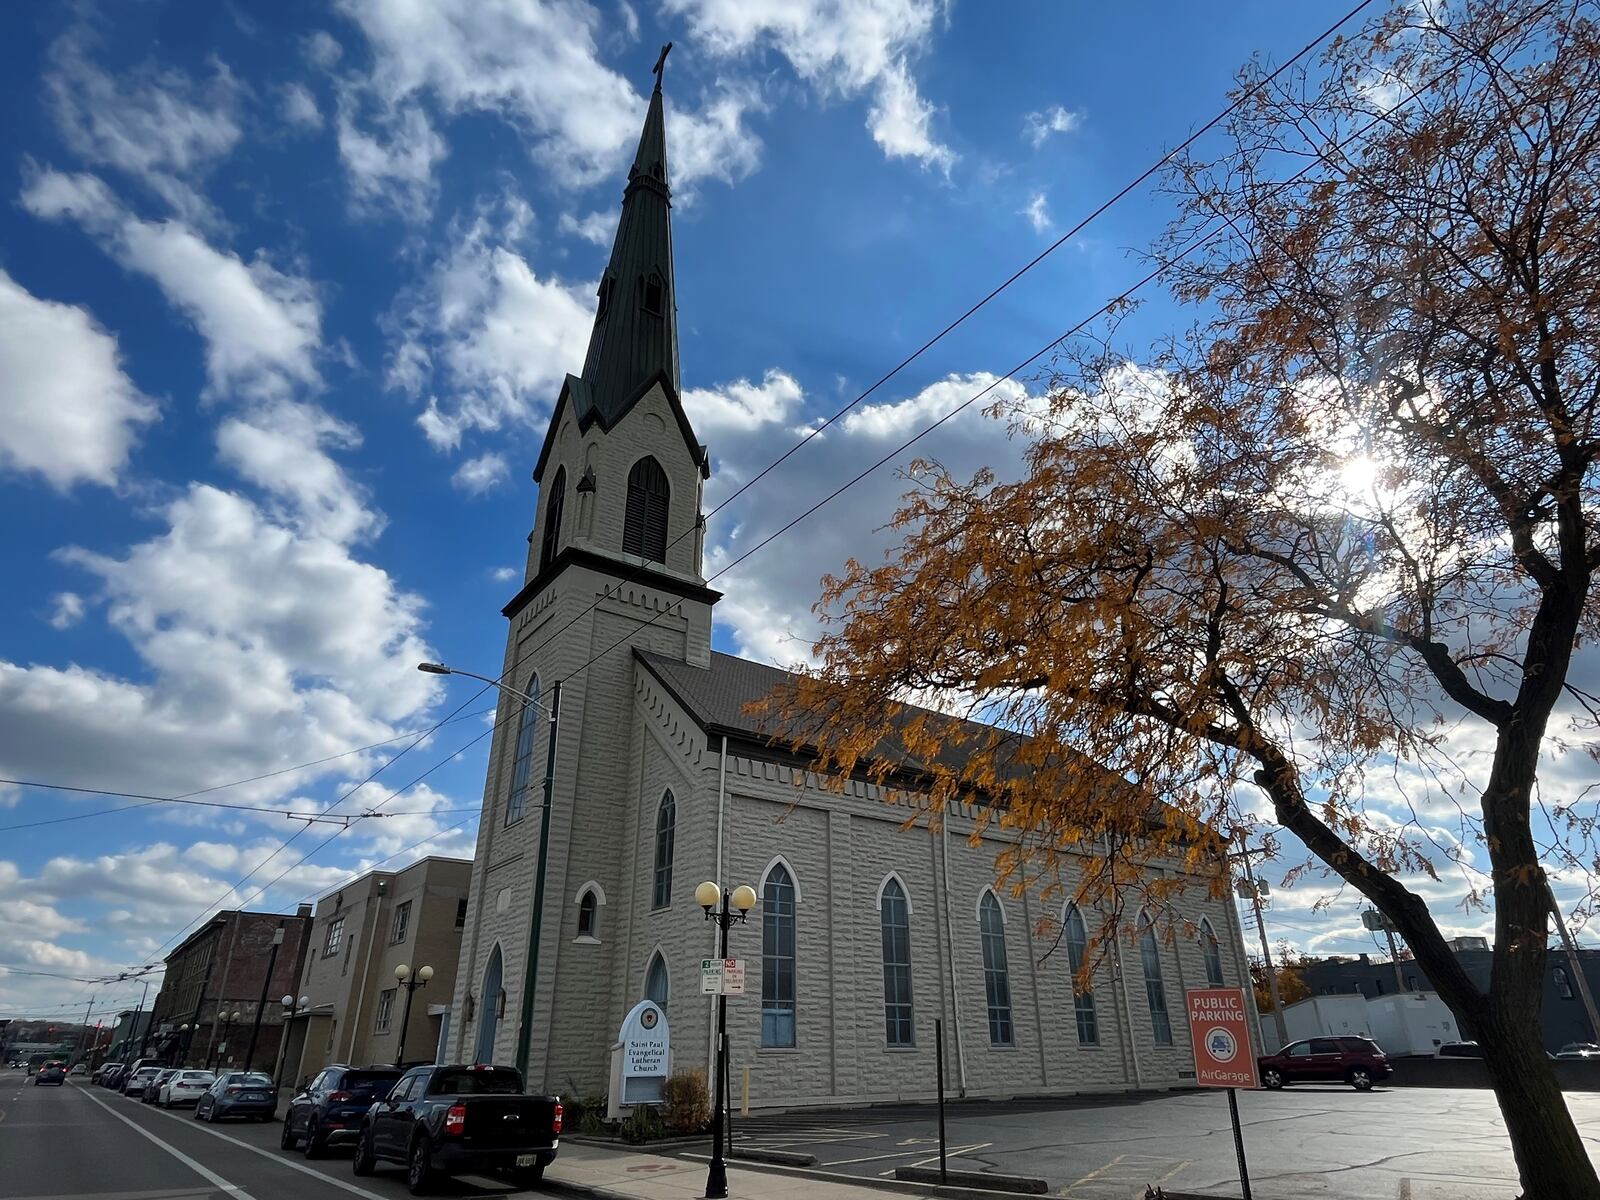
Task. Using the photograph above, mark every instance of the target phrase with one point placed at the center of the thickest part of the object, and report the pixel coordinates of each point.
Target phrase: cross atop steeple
(661, 65)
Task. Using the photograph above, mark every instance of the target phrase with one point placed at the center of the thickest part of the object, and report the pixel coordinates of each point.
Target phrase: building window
(1563, 984)
(894, 917)
(1211, 951)
(586, 915)
(1155, 992)
(644, 527)
(551, 541)
(527, 729)
(656, 985)
(1411, 983)
(996, 975)
(1083, 1009)
(402, 923)
(461, 913)
(335, 938)
(652, 293)
(1378, 984)
(666, 820)
(604, 303)
(385, 1010)
(777, 959)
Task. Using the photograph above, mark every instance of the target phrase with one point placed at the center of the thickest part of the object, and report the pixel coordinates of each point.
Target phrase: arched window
(666, 821)
(777, 958)
(996, 975)
(489, 1009)
(552, 519)
(652, 294)
(894, 917)
(527, 728)
(1155, 991)
(588, 906)
(1211, 951)
(644, 528)
(1077, 938)
(656, 984)
(1563, 984)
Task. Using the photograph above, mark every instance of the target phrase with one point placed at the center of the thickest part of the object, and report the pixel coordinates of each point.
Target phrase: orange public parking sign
(1219, 1027)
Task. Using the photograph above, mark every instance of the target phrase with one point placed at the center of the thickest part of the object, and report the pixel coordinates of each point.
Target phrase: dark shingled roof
(716, 696)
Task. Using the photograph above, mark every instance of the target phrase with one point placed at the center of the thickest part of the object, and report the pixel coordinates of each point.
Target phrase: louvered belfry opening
(644, 531)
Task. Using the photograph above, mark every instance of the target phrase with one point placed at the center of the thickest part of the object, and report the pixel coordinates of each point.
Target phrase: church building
(864, 933)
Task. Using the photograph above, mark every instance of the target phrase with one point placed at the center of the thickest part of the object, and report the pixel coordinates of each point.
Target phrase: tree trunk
(1551, 1159)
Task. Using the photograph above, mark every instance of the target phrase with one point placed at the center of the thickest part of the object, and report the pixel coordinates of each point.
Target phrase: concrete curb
(782, 1158)
(878, 1183)
(1025, 1184)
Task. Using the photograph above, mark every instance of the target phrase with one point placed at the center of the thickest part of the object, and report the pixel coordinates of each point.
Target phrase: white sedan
(186, 1087)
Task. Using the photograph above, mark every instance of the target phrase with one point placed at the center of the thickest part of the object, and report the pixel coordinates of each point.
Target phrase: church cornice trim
(592, 414)
(577, 556)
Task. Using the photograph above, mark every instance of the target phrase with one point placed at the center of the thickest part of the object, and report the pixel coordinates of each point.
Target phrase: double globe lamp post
(716, 901)
(227, 1020)
(411, 982)
(292, 1008)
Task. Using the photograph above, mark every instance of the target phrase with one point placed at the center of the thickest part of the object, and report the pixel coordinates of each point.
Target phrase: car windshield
(370, 1081)
(254, 1079)
(495, 1081)
(207, 1076)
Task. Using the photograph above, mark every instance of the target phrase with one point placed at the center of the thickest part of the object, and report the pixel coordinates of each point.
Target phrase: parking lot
(1406, 1143)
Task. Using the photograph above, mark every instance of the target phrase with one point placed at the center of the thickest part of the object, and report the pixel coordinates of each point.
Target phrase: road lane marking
(198, 1168)
(273, 1156)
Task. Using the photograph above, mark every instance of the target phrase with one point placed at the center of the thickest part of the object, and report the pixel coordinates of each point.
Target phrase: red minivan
(1357, 1061)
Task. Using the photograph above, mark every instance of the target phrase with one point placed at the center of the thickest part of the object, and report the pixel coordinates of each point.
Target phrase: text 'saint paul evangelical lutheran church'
(865, 933)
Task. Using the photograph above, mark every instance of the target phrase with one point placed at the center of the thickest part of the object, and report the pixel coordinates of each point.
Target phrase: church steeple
(635, 338)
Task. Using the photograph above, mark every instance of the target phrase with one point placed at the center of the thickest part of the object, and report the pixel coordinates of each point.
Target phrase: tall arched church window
(552, 519)
(996, 974)
(894, 918)
(1155, 990)
(522, 765)
(1077, 937)
(666, 830)
(1211, 951)
(587, 908)
(644, 528)
(777, 959)
(489, 1009)
(656, 984)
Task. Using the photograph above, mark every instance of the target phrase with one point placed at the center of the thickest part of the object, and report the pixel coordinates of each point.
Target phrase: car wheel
(528, 1177)
(365, 1160)
(314, 1145)
(419, 1172)
(1361, 1079)
(197, 1115)
(1272, 1078)
(287, 1140)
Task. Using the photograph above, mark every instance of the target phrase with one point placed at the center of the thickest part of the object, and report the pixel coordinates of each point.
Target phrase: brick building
(221, 969)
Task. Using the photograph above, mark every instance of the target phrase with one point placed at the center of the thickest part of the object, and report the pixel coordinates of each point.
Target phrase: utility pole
(261, 1004)
(1573, 961)
(1266, 952)
(87, 1011)
(1374, 920)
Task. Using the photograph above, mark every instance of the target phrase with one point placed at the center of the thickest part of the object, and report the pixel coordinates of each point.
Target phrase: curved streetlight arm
(429, 668)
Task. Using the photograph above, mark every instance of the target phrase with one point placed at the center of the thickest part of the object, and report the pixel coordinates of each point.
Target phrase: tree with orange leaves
(1346, 522)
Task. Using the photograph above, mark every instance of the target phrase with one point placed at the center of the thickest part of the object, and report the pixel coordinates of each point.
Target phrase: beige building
(865, 933)
(359, 935)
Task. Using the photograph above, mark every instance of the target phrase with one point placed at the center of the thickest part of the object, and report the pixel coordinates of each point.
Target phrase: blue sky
(286, 292)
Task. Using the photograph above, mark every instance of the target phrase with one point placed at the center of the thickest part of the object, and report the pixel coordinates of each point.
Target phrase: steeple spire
(635, 336)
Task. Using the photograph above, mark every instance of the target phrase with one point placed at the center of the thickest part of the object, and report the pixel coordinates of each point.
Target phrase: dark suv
(328, 1110)
(1354, 1060)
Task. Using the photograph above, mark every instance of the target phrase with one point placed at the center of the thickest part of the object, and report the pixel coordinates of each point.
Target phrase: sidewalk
(608, 1174)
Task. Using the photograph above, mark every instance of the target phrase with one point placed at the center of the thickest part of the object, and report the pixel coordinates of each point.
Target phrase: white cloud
(300, 107)
(484, 337)
(743, 406)
(538, 67)
(282, 448)
(1040, 125)
(1037, 211)
(66, 610)
(323, 50)
(392, 167)
(261, 325)
(842, 48)
(479, 475)
(596, 227)
(504, 574)
(160, 126)
(67, 411)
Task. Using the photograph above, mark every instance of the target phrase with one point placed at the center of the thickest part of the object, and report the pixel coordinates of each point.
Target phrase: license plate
(255, 1096)
(524, 1160)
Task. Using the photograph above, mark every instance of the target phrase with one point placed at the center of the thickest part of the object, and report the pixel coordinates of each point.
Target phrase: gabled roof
(577, 393)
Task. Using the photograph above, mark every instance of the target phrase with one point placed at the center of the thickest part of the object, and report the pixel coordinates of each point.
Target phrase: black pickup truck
(460, 1120)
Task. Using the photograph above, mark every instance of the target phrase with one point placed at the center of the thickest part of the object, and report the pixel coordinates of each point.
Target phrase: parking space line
(198, 1168)
(1067, 1191)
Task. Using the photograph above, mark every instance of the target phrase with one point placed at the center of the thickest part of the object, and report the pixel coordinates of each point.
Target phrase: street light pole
(291, 1009)
(261, 1004)
(707, 896)
(530, 979)
(411, 984)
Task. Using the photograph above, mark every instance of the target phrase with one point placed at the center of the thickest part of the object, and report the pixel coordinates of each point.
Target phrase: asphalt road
(1325, 1142)
(82, 1141)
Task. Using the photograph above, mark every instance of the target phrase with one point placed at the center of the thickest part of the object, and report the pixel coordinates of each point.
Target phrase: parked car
(185, 1087)
(51, 1072)
(1578, 1050)
(78, 1069)
(328, 1110)
(136, 1080)
(1357, 1061)
(1458, 1050)
(110, 1072)
(153, 1088)
(247, 1094)
(458, 1120)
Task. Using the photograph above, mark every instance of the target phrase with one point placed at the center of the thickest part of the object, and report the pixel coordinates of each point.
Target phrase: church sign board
(646, 1054)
